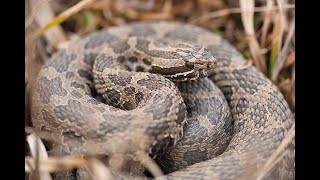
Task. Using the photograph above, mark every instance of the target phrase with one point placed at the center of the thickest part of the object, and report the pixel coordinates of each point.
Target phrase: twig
(150, 165)
(98, 170)
(228, 11)
(266, 22)
(54, 164)
(55, 35)
(282, 20)
(63, 16)
(34, 11)
(38, 151)
(42, 134)
(284, 52)
(247, 8)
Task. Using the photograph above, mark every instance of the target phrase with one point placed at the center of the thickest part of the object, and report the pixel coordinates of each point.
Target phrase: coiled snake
(200, 127)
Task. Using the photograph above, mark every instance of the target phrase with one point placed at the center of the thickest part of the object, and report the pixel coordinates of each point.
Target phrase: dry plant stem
(98, 170)
(247, 7)
(38, 151)
(54, 164)
(266, 23)
(35, 9)
(34, 52)
(284, 52)
(63, 16)
(151, 165)
(229, 11)
(282, 22)
(278, 154)
(76, 8)
(55, 35)
(44, 135)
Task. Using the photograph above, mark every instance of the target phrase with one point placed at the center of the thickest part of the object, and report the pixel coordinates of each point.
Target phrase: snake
(177, 92)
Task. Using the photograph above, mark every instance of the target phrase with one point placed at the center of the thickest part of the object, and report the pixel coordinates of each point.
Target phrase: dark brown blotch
(119, 80)
(84, 74)
(77, 85)
(89, 58)
(100, 38)
(146, 61)
(76, 94)
(121, 59)
(169, 71)
(133, 59)
(119, 46)
(75, 112)
(113, 96)
(47, 88)
(143, 45)
(140, 69)
(61, 61)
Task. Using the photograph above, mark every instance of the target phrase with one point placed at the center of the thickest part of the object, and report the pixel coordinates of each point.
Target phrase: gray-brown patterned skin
(260, 119)
(207, 131)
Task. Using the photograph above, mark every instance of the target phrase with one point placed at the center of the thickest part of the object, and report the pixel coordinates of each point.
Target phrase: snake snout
(205, 67)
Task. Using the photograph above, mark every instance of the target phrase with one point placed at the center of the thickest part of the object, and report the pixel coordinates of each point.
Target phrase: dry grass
(263, 31)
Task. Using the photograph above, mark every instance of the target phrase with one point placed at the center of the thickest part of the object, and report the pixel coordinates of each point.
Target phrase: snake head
(197, 58)
(182, 62)
(177, 61)
(193, 62)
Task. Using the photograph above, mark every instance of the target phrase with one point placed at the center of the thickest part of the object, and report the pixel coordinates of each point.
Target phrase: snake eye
(189, 65)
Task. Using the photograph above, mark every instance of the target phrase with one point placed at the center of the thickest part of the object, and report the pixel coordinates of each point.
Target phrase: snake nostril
(210, 66)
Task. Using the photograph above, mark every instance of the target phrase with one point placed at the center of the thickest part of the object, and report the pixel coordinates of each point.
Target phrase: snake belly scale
(207, 115)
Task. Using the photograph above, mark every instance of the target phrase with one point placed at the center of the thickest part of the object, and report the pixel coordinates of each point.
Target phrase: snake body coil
(195, 126)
